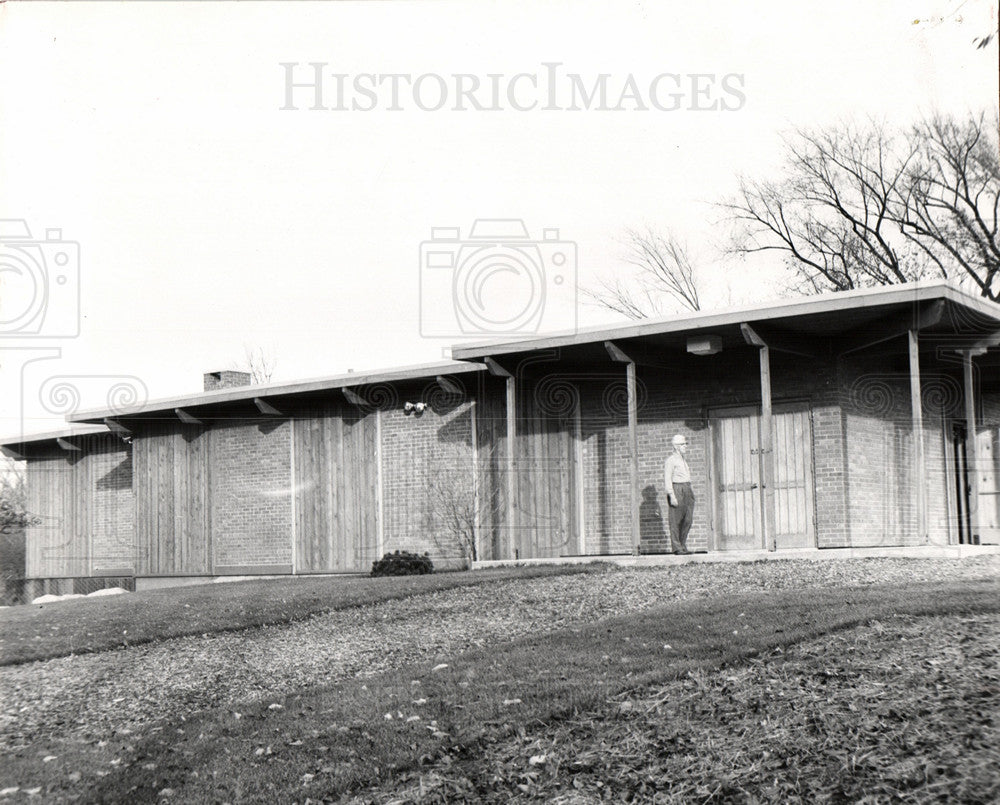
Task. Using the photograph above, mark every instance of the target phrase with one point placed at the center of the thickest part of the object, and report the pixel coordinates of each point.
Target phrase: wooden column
(919, 487)
(970, 445)
(511, 479)
(752, 337)
(633, 442)
(618, 355)
(476, 504)
(293, 503)
(767, 448)
(379, 499)
(498, 370)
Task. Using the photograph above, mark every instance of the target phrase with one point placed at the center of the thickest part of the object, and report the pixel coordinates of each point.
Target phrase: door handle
(753, 486)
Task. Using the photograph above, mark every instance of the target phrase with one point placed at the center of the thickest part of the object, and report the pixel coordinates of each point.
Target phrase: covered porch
(865, 420)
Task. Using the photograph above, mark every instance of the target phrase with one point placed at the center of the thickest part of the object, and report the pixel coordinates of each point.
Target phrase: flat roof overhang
(240, 400)
(947, 316)
(16, 447)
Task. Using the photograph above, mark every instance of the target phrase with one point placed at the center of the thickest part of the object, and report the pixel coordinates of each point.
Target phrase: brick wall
(113, 546)
(685, 399)
(862, 458)
(881, 449)
(250, 494)
(427, 469)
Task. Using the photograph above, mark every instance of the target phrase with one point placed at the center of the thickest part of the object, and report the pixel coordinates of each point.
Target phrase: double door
(741, 496)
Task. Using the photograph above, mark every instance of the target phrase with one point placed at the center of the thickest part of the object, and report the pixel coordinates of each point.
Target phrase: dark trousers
(680, 516)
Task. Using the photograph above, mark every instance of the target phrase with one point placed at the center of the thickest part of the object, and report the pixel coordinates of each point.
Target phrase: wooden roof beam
(266, 408)
(68, 446)
(979, 347)
(117, 427)
(897, 326)
(11, 453)
(496, 369)
(352, 396)
(639, 356)
(617, 354)
(449, 385)
(186, 418)
(777, 342)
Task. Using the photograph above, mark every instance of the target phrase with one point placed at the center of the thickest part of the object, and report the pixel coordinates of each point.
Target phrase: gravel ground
(906, 710)
(92, 696)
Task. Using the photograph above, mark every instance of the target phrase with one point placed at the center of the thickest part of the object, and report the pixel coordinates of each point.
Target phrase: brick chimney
(226, 379)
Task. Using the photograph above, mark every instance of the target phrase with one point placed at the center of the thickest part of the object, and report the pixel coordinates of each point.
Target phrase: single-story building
(860, 419)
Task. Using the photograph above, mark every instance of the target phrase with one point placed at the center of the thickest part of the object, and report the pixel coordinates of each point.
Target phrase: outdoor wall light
(414, 408)
(704, 344)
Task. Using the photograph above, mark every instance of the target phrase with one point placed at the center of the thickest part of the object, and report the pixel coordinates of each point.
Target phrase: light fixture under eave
(704, 344)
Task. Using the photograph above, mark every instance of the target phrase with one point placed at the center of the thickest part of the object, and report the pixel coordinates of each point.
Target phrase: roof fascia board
(53, 435)
(250, 393)
(827, 303)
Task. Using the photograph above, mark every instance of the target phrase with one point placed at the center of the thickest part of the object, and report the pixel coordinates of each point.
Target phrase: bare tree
(463, 503)
(14, 514)
(258, 362)
(454, 510)
(951, 210)
(14, 520)
(865, 206)
(665, 271)
(830, 215)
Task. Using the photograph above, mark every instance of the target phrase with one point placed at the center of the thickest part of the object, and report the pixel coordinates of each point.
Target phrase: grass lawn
(83, 625)
(448, 732)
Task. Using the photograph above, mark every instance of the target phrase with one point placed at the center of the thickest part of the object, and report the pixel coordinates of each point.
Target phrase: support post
(919, 488)
(971, 479)
(633, 442)
(511, 479)
(293, 497)
(379, 496)
(476, 492)
(767, 448)
(753, 338)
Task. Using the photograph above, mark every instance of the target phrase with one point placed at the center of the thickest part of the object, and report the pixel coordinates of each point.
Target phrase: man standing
(677, 479)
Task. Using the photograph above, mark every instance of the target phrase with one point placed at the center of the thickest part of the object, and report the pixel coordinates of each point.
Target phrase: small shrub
(402, 563)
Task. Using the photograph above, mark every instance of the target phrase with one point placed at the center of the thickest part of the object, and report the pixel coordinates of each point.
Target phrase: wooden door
(793, 486)
(960, 481)
(336, 504)
(988, 483)
(739, 494)
(738, 523)
(547, 515)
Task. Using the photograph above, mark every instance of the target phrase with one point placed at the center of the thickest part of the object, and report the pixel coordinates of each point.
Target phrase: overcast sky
(208, 217)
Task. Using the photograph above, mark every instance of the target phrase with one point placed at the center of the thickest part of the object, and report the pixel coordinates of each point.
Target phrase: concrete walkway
(812, 554)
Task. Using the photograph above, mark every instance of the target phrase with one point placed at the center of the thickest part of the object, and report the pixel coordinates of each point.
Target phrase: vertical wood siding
(60, 498)
(546, 483)
(171, 470)
(336, 505)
